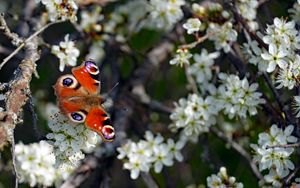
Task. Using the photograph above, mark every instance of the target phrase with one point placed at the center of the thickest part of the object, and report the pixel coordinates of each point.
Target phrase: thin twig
(277, 97)
(240, 150)
(5, 60)
(195, 43)
(284, 146)
(244, 23)
(16, 40)
(291, 176)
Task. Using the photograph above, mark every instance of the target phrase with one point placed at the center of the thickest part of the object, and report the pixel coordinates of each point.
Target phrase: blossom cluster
(253, 54)
(164, 14)
(182, 57)
(151, 152)
(69, 140)
(35, 163)
(202, 68)
(271, 154)
(194, 115)
(91, 24)
(283, 42)
(217, 21)
(222, 180)
(60, 9)
(210, 12)
(66, 52)
(248, 9)
(295, 11)
(222, 35)
(236, 97)
(90, 20)
(137, 14)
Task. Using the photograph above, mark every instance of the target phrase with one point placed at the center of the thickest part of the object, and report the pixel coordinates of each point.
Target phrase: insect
(78, 96)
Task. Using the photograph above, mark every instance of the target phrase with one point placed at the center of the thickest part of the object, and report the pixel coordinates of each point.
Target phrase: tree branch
(240, 150)
(23, 43)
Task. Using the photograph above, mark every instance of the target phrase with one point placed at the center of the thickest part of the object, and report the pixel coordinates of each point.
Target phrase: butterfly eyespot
(68, 81)
(108, 132)
(91, 67)
(78, 117)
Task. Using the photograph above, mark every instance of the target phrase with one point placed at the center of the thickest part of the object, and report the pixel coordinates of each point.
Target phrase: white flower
(90, 20)
(164, 14)
(69, 140)
(124, 150)
(161, 156)
(175, 148)
(66, 52)
(153, 141)
(237, 97)
(61, 9)
(195, 115)
(201, 69)
(270, 155)
(222, 35)
(35, 163)
(182, 57)
(149, 153)
(283, 43)
(286, 78)
(248, 10)
(222, 180)
(295, 12)
(253, 54)
(275, 57)
(274, 178)
(192, 25)
(135, 165)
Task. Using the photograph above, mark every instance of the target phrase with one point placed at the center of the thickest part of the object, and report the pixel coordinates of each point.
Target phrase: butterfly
(78, 96)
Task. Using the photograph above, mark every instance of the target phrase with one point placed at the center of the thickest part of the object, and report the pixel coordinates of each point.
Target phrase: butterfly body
(78, 98)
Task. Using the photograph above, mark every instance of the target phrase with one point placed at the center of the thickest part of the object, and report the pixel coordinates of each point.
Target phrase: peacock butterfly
(78, 96)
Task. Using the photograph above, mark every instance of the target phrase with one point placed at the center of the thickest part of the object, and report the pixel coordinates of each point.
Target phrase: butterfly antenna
(112, 88)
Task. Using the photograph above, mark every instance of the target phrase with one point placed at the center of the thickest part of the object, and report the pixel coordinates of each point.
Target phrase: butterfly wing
(78, 99)
(88, 110)
(87, 74)
(98, 121)
(68, 86)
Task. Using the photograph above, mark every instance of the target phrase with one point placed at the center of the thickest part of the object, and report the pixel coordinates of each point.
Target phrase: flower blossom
(192, 25)
(236, 97)
(35, 163)
(69, 140)
(270, 155)
(60, 9)
(152, 152)
(222, 180)
(66, 52)
(182, 57)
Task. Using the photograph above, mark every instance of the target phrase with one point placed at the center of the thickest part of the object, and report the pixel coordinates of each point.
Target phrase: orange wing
(78, 99)
(98, 121)
(87, 74)
(68, 86)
